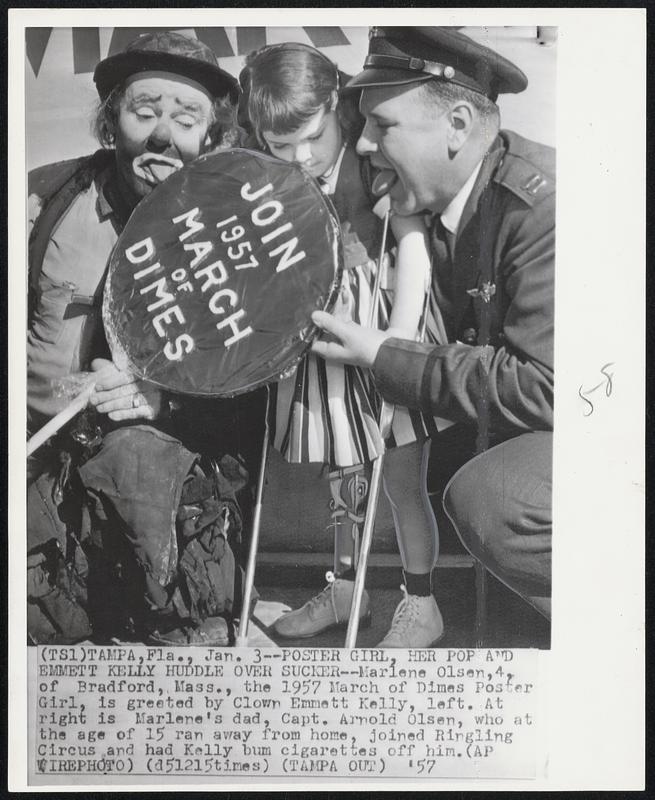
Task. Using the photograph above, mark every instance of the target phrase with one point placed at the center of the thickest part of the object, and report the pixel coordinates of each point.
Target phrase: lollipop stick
(386, 418)
(242, 635)
(50, 428)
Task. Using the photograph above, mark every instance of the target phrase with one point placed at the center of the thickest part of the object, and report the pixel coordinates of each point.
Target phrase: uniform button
(469, 336)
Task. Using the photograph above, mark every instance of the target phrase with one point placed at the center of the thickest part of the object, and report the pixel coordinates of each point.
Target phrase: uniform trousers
(500, 504)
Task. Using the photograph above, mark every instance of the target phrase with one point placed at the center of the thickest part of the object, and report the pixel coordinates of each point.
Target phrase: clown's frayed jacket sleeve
(514, 371)
(51, 190)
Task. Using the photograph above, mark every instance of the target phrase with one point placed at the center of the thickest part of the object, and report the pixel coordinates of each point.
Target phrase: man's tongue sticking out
(383, 182)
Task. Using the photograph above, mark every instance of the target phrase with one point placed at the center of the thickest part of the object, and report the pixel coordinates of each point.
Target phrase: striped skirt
(327, 412)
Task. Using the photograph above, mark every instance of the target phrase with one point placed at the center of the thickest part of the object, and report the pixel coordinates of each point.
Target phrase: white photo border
(594, 672)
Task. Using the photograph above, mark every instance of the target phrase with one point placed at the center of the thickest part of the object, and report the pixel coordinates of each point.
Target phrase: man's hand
(121, 396)
(355, 344)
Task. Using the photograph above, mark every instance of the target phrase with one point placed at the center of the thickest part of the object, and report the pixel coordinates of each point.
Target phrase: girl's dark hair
(285, 85)
(224, 130)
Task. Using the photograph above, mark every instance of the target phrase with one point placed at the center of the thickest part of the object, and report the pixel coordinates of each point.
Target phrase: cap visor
(384, 77)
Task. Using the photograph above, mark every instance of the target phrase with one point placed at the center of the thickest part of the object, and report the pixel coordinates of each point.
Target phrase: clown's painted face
(163, 123)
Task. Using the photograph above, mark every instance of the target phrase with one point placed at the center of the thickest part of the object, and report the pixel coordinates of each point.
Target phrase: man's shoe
(327, 610)
(417, 622)
(211, 632)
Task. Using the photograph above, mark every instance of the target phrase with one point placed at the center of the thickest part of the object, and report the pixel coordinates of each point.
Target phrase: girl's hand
(401, 226)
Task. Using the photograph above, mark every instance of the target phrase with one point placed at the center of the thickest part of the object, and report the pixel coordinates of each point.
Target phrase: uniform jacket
(497, 370)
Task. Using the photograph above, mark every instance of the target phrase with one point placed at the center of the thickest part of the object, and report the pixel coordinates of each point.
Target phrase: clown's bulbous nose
(160, 138)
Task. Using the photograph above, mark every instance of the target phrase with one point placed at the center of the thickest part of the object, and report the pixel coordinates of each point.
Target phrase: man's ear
(462, 118)
(334, 99)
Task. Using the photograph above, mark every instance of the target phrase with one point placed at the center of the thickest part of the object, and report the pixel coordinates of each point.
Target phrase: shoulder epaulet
(527, 168)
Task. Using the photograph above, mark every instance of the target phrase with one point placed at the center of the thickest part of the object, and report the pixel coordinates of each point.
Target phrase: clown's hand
(122, 396)
(351, 343)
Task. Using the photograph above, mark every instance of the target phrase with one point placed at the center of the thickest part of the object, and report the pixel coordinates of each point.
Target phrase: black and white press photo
(302, 407)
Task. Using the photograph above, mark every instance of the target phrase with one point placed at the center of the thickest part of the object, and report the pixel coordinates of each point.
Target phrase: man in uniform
(433, 130)
(163, 101)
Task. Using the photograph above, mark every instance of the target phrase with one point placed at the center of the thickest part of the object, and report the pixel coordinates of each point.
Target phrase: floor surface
(510, 621)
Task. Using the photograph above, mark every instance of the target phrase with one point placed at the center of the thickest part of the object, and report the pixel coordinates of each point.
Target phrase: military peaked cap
(407, 55)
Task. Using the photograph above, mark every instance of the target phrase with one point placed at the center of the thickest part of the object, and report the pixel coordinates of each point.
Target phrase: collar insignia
(485, 291)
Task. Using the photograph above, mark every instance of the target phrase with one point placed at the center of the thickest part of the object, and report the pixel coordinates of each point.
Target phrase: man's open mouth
(153, 168)
(383, 182)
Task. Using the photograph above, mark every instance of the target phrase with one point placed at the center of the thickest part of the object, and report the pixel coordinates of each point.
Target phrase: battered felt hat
(169, 52)
(407, 55)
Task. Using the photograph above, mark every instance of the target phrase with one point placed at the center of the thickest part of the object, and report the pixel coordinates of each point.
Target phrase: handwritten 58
(606, 382)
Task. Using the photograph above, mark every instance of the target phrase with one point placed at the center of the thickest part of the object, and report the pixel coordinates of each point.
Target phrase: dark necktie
(442, 245)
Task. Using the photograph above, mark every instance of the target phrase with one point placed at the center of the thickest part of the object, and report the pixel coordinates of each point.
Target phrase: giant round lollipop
(213, 281)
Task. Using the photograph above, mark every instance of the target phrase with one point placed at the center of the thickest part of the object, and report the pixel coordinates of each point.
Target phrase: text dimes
(210, 278)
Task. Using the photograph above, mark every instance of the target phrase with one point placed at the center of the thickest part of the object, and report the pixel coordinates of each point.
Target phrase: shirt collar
(110, 202)
(452, 215)
(329, 182)
(104, 208)
(106, 187)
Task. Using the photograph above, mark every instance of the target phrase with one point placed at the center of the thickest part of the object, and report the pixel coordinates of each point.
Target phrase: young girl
(329, 412)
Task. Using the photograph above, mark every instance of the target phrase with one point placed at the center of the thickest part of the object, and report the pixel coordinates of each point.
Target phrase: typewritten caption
(289, 712)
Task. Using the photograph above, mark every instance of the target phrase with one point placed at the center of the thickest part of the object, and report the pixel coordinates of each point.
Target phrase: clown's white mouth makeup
(154, 168)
